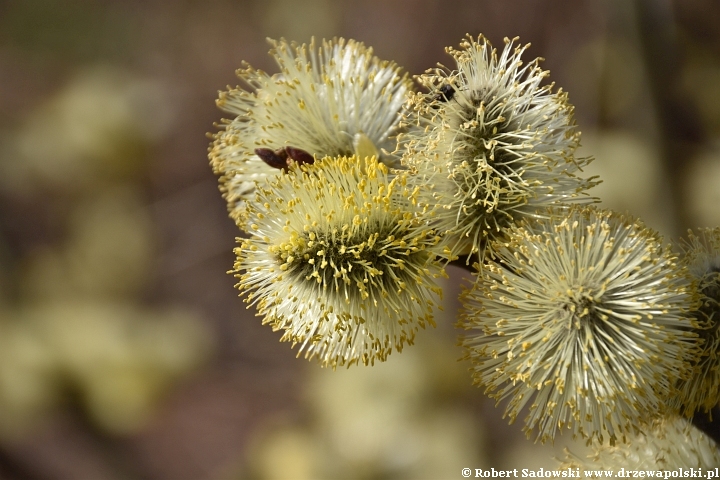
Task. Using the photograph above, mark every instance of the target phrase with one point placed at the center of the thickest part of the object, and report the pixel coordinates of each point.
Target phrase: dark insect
(276, 159)
(282, 157)
(300, 156)
(447, 92)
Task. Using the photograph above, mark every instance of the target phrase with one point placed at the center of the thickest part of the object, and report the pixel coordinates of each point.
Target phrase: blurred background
(124, 350)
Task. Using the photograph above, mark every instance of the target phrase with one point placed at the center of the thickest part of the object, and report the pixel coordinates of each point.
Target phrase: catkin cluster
(355, 189)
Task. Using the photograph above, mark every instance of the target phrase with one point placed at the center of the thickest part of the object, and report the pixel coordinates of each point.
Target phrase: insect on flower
(347, 266)
(281, 157)
(501, 150)
(331, 98)
(447, 92)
